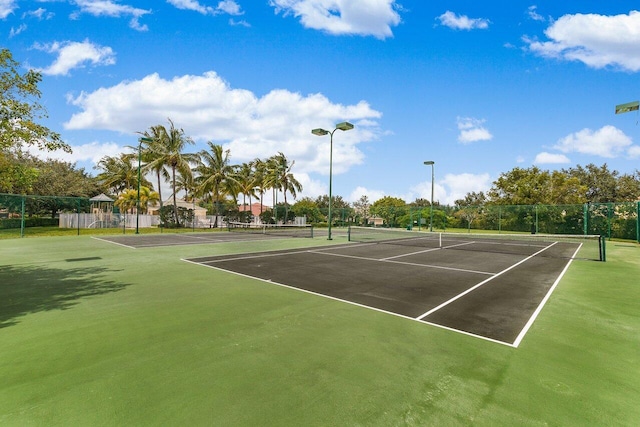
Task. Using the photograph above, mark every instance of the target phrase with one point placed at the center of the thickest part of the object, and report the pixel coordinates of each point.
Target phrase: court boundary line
(390, 261)
(484, 282)
(321, 252)
(198, 241)
(113, 243)
(546, 298)
(424, 322)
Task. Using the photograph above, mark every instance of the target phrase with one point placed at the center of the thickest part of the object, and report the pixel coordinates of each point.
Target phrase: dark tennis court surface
(495, 296)
(177, 239)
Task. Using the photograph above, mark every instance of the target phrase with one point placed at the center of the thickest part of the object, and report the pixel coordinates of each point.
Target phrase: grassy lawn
(97, 334)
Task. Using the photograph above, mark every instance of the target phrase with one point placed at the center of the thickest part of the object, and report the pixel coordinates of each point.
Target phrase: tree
(605, 186)
(215, 175)
(261, 177)
(628, 187)
(307, 207)
(283, 179)
(128, 199)
(17, 173)
(390, 209)
(471, 207)
(167, 151)
(20, 110)
(361, 207)
(119, 173)
(246, 181)
(58, 178)
(151, 154)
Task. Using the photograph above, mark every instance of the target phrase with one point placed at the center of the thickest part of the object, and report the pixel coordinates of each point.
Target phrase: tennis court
(236, 233)
(492, 288)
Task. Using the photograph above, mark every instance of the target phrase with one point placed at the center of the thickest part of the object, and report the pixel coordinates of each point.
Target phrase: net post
(603, 248)
(349, 234)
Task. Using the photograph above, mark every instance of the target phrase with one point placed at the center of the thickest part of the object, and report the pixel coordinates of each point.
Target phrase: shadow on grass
(32, 289)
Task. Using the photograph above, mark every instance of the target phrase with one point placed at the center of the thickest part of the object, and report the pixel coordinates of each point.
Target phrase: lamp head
(429, 162)
(320, 132)
(344, 126)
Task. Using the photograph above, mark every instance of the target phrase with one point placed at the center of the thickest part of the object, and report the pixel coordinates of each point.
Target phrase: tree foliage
(389, 209)
(20, 110)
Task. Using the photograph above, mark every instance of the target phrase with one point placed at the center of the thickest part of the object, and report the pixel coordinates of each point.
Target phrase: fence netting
(21, 214)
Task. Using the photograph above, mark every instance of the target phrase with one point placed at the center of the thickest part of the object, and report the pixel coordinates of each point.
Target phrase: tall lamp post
(431, 163)
(138, 197)
(344, 126)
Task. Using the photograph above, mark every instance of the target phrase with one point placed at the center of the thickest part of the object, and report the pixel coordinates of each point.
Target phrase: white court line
(433, 310)
(113, 243)
(321, 252)
(379, 310)
(439, 267)
(427, 250)
(535, 314)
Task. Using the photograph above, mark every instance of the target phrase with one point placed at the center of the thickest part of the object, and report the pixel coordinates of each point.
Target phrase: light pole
(138, 197)
(322, 132)
(431, 163)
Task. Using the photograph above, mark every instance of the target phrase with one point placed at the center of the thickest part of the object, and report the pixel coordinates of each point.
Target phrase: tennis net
(546, 245)
(284, 230)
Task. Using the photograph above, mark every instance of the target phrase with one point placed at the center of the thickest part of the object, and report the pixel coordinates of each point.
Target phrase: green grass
(97, 334)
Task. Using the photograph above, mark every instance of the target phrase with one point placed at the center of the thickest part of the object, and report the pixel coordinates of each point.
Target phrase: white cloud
(229, 7)
(457, 186)
(359, 17)
(634, 152)
(39, 14)
(533, 14)
(112, 9)
(596, 40)
(73, 55)
(550, 158)
(359, 191)
(207, 108)
(607, 141)
(15, 31)
(472, 130)
(91, 152)
(462, 22)
(7, 7)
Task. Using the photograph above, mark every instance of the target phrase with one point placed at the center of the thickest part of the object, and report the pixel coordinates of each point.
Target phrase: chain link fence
(19, 215)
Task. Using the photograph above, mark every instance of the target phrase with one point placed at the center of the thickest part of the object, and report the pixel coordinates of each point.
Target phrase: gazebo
(101, 204)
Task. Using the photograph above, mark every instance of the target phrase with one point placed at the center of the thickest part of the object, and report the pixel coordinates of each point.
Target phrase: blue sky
(477, 87)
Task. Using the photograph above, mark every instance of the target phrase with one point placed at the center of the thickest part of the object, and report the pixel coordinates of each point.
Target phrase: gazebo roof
(101, 198)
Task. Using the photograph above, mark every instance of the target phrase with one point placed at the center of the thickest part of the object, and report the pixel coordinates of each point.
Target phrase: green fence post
(638, 223)
(585, 218)
(22, 216)
(609, 218)
(78, 214)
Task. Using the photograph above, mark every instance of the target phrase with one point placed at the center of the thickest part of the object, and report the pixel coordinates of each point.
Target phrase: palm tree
(261, 175)
(128, 200)
(119, 173)
(167, 151)
(152, 161)
(283, 179)
(215, 175)
(246, 177)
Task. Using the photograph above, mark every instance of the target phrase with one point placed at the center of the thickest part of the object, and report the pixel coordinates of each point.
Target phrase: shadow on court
(33, 289)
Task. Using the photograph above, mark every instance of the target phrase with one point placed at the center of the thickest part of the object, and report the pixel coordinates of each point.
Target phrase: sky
(479, 88)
